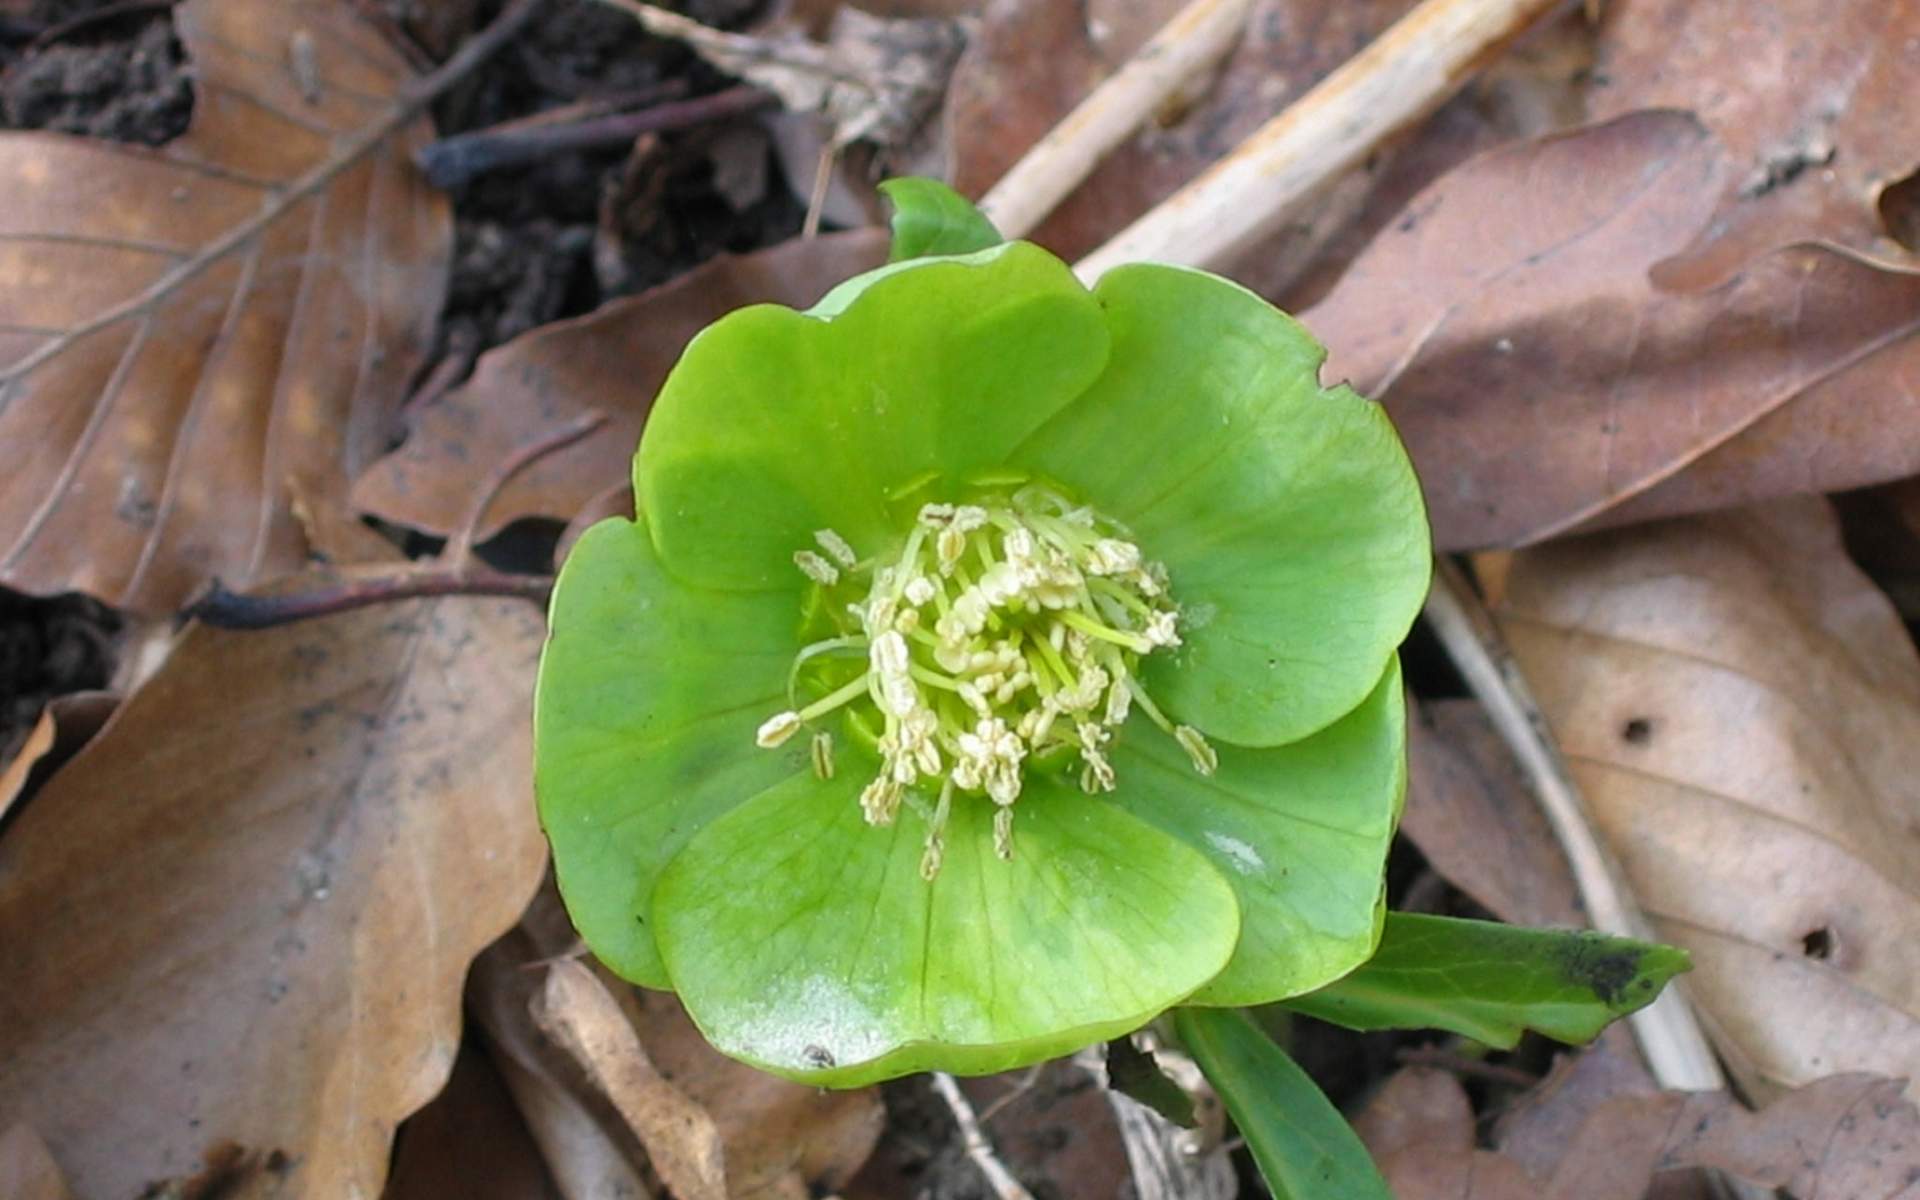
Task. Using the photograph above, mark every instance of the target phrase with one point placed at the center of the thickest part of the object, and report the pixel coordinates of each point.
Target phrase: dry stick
(1197, 37)
(1670, 1037)
(459, 549)
(452, 162)
(1001, 1180)
(1402, 76)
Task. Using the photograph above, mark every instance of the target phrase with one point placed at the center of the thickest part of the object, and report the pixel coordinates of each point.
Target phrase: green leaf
(1300, 831)
(805, 942)
(644, 714)
(1493, 982)
(777, 423)
(1132, 1072)
(1288, 516)
(1303, 1146)
(931, 218)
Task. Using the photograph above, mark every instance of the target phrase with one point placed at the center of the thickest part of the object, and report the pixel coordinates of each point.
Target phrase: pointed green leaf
(931, 218)
(1301, 832)
(1288, 515)
(776, 423)
(1303, 1146)
(805, 942)
(648, 698)
(1493, 982)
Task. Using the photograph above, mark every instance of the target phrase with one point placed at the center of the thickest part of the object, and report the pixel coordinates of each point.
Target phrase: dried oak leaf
(191, 338)
(1742, 710)
(1845, 1135)
(612, 361)
(1812, 98)
(1543, 383)
(65, 724)
(240, 917)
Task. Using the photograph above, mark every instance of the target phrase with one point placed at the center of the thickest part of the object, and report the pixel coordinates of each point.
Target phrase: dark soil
(119, 77)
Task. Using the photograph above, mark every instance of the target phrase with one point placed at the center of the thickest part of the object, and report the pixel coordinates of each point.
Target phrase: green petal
(776, 423)
(1301, 832)
(1288, 516)
(644, 719)
(805, 942)
(931, 218)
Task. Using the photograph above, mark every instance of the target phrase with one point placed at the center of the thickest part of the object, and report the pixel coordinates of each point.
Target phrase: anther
(776, 729)
(816, 568)
(1206, 759)
(836, 547)
(822, 750)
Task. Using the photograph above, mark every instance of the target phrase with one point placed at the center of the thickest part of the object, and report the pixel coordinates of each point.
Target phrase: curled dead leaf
(612, 360)
(189, 337)
(1810, 98)
(1543, 383)
(27, 1169)
(234, 927)
(64, 726)
(1742, 710)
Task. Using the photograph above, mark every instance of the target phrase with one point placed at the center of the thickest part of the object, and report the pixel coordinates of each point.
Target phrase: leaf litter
(1781, 375)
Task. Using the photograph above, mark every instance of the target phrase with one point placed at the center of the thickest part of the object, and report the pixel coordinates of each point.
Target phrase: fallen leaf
(613, 360)
(1542, 383)
(1812, 147)
(27, 1169)
(241, 916)
(1472, 816)
(64, 726)
(1033, 60)
(190, 335)
(589, 1151)
(1846, 1135)
(579, 1013)
(1539, 1127)
(781, 1138)
(1742, 710)
(469, 1144)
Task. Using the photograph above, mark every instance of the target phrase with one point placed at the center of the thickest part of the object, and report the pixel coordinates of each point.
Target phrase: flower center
(1005, 636)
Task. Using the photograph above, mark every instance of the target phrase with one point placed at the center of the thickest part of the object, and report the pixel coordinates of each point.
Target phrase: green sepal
(931, 218)
(1493, 982)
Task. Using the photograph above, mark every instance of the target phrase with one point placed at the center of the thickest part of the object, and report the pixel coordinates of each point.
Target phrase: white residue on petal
(1245, 858)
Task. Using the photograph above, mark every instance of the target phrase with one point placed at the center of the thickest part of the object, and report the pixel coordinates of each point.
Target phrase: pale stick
(1197, 37)
(1406, 73)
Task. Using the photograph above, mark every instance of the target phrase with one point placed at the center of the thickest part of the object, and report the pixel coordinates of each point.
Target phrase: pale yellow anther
(1162, 629)
(822, 751)
(1205, 758)
(919, 590)
(836, 547)
(776, 730)
(1111, 556)
(935, 516)
(1003, 834)
(880, 801)
(816, 568)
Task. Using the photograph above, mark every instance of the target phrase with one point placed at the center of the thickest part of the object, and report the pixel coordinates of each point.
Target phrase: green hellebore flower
(993, 665)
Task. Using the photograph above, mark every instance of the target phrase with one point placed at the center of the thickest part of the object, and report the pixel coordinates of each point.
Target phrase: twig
(452, 162)
(1670, 1037)
(1025, 1085)
(1197, 37)
(100, 16)
(1403, 75)
(1001, 1180)
(223, 609)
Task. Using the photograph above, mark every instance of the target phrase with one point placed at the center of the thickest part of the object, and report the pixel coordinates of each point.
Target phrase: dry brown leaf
(1843, 1136)
(1742, 709)
(189, 335)
(1543, 383)
(1811, 97)
(234, 927)
(613, 361)
(27, 1169)
(589, 1151)
(579, 1013)
(1471, 815)
(469, 1144)
(1033, 60)
(782, 1139)
(64, 726)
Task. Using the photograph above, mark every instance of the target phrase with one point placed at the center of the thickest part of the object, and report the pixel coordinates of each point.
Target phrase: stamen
(836, 548)
(822, 749)
(1206, 759)
(816, 568)
(776, 729)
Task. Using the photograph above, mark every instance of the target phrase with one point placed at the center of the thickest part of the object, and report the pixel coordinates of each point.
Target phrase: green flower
(994, 664)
